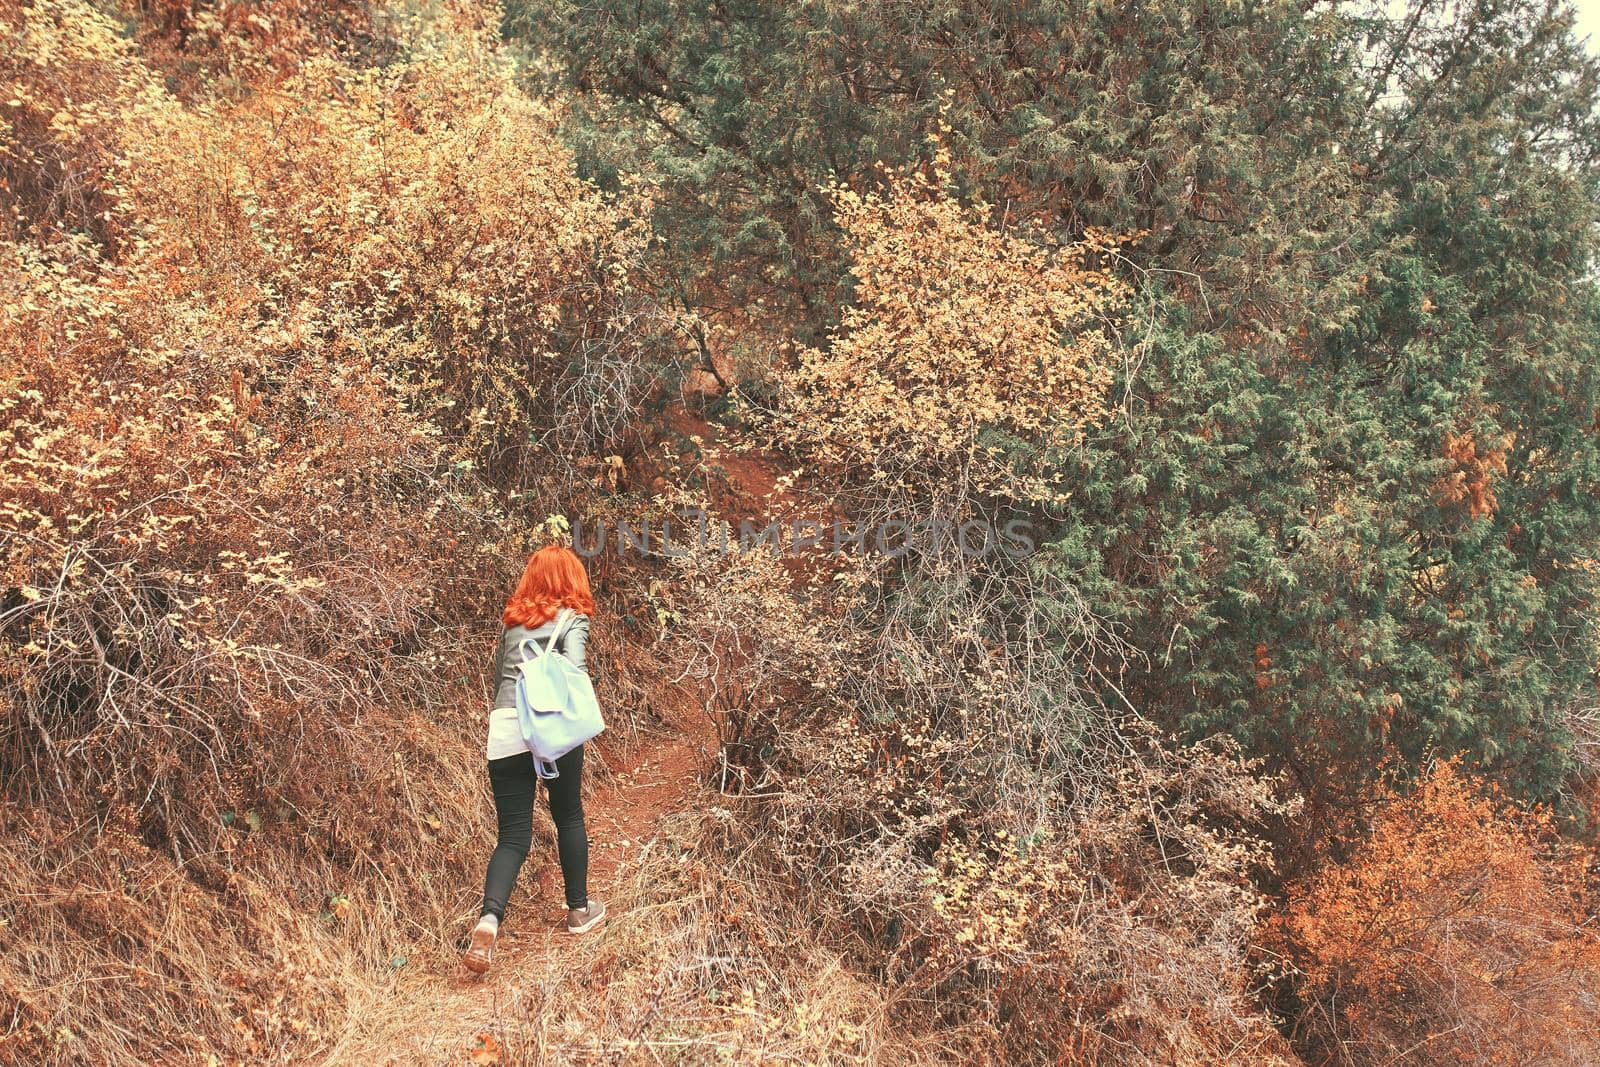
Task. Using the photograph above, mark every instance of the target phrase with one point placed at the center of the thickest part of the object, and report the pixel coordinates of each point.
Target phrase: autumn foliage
(1461, 922)
(256, 354)
(1471, 483)
(969, 355)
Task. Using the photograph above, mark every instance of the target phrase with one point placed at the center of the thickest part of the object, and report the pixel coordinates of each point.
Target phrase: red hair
(553, 579)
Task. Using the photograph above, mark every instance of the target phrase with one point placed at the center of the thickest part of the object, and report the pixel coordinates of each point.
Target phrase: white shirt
(505, 734)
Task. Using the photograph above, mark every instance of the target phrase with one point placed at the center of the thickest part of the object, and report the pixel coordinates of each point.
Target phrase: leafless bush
(920, 741)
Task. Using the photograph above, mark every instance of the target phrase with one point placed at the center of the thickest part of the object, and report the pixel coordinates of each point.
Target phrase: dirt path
(440, 1014)
(435, 1014)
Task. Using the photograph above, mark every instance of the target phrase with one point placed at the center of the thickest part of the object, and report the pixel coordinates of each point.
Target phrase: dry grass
(707, 959)
(290, 932)
(120, 952)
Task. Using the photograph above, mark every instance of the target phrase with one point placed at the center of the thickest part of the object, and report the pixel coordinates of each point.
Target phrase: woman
(554, 579)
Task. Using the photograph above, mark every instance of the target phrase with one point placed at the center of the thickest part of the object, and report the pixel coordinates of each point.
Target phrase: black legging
(514, 786)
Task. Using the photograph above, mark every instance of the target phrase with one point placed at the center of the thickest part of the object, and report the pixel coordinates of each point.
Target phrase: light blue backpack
(555, 701)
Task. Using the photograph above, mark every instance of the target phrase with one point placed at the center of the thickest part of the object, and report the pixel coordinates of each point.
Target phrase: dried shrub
(755, 650)
(1121, 934)
(235, 46)
(1116, 929)
(969, 354)
(1459, 930)
(1032, 878)
(274, 376)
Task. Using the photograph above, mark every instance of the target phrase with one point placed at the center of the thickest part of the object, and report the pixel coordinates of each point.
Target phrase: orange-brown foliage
(254, 355)
(1461, 926)
(1476, 466)
(240, 43)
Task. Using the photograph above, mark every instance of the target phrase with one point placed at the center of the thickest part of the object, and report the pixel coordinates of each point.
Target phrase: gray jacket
(508, 658)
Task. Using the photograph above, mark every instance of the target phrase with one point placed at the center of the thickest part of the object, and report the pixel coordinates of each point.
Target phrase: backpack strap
(563, 617)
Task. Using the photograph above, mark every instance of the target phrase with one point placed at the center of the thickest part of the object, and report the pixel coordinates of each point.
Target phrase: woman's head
(554, 578)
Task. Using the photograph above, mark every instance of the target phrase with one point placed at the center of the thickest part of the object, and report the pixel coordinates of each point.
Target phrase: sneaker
(481, 948)
(582, 920)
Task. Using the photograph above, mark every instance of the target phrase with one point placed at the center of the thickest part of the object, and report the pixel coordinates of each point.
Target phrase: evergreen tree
(1344, 505)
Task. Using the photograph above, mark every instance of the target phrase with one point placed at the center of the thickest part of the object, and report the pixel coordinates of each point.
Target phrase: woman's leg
(514, 783)
(572, 838)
